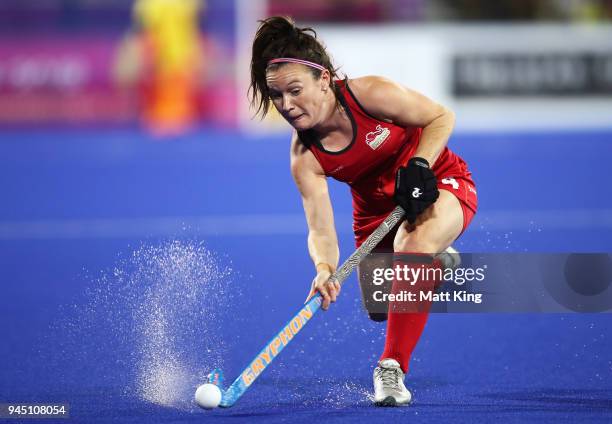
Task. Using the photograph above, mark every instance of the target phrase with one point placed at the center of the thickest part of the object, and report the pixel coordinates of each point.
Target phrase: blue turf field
(132, 267)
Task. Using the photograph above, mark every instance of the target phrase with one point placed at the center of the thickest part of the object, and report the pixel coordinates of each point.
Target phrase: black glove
(416, 188)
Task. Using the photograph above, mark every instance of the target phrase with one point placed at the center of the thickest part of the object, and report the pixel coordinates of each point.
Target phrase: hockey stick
(230, 396)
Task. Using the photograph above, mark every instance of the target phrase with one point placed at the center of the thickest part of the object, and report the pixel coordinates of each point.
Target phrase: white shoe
(450, 258)
(389, 389)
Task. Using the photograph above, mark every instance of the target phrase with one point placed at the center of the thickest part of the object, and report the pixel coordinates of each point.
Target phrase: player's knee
(414, 244)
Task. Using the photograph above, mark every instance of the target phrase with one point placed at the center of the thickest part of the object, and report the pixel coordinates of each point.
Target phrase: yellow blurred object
(171, 28)
(171, 37)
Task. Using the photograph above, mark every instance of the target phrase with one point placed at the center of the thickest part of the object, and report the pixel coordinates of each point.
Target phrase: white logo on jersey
(451, 181)
(375, 138)
(416, 193)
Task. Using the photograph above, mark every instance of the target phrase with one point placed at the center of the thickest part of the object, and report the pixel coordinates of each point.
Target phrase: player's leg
(379, 259)
(382, 258)
(414, 246)
(434, 230)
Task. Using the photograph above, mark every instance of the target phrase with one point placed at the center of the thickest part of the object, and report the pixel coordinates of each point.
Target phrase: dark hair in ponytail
(276, 37)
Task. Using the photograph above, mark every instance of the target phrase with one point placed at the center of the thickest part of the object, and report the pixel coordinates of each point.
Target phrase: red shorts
(462, 188)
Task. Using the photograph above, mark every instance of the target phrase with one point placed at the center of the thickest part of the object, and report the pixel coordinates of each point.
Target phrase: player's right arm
(322, 239)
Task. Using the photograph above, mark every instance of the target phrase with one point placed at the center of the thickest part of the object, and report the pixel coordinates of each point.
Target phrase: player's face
(297, 95)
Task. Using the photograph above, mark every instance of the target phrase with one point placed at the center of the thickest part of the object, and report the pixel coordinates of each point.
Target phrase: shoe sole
(388, 401)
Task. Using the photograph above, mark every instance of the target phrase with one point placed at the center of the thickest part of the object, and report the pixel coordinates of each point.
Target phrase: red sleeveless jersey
(371, 160)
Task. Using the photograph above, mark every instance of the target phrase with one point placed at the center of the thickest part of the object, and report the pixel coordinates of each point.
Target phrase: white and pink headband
(294, 60)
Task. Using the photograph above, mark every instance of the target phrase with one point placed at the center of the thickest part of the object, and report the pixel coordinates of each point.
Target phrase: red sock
(405, 325)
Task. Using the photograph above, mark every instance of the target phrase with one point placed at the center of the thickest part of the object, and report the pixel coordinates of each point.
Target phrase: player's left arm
(392, 102)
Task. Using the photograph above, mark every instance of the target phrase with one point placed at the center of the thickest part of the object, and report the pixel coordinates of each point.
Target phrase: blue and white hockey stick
(293, 327)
